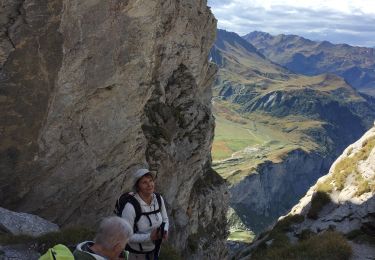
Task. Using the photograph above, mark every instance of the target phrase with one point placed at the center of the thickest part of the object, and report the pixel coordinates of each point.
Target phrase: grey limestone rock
(92, 90)
(17, 223)
(275, 188)
(347, 210)
(18, 252)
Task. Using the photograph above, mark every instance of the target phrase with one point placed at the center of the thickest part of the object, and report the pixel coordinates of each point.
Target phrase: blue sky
(337, 21)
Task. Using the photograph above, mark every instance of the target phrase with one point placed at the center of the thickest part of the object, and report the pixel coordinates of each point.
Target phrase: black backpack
(128, 197)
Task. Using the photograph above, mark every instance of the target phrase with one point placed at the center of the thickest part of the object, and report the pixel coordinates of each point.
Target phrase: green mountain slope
(266, 115)
(251, 92)
(355, 64)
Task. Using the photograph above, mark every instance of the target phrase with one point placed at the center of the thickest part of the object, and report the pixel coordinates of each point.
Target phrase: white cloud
(343, 6)
(346, 21)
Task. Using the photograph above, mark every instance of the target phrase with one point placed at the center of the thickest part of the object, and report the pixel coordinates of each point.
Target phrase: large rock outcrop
(274, 188)
(90, 91)
(341, 204)
(350, 205)
(18, 223)
(350, 185)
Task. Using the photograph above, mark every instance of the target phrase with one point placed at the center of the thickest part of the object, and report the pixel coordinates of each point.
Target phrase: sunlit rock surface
(92, 90)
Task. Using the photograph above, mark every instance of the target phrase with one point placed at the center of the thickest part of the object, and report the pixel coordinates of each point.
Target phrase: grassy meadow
(243, 141)
(241, 235)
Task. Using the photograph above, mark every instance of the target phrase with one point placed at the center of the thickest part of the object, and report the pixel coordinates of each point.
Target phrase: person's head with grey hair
(113, 230)
(110, 239)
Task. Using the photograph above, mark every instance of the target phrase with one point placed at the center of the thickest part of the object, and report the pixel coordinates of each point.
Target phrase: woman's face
(146, 185)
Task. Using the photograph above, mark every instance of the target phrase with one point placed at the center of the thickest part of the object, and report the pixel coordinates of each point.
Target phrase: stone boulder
(18, 252)
(17, 223)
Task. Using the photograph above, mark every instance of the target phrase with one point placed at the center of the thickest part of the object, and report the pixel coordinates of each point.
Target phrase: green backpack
(58, 252)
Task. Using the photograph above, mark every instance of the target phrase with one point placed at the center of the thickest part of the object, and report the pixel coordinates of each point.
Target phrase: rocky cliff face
(275, 187)
(350, 205)
(350, 185)
(92, 90)
(338, 212)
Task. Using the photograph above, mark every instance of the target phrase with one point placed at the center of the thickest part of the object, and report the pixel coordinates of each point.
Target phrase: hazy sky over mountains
(337, 21)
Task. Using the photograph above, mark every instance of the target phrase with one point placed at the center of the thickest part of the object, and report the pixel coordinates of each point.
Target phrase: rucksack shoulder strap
(128, 197)
(137, 208)
(158, 198)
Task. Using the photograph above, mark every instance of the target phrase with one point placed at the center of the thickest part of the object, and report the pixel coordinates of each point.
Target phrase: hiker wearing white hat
(139, 174)
(145, 211)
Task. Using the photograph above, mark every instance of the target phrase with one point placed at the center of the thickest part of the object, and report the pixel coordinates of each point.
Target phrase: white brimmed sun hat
(140, 173)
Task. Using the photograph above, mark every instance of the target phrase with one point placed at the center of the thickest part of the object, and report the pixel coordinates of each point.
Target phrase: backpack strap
(158, 198)
(138, 211)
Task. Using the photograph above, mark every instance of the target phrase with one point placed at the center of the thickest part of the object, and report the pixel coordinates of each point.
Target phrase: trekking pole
(158, 242)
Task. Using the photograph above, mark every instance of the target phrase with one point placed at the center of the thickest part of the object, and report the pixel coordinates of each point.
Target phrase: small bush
(285, 224)
(362, 187)
(68, 236)
(325, 186)
(329, 245)
(167, 252)
(306, 234)
(7, 239)
(319, 200)
(193, 241)
(361, 237)
(279, 240)
(277, 237)
(354, 234)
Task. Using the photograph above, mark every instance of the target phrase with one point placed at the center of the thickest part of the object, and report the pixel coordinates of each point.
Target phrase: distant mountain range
(355, 64)
(246, 77)
(277, 131)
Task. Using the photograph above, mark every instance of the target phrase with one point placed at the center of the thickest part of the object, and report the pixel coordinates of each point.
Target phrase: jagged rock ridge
(92, 90)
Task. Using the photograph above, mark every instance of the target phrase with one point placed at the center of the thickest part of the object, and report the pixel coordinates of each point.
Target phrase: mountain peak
(256, 34)
(232, 38)
(355, 64)
(325, 44)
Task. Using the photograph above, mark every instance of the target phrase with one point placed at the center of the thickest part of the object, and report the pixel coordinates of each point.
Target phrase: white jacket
(144, 229)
